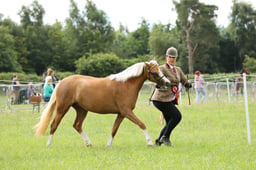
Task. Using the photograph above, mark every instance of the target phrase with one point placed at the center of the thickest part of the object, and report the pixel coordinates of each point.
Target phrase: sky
(127, 12)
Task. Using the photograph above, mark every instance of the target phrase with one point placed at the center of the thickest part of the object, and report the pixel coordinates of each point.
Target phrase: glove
(158, 86)
(188, 85)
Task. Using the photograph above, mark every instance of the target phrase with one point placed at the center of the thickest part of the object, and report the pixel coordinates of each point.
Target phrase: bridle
(155, 75)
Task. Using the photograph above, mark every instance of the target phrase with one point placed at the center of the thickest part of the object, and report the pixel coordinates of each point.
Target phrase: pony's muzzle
(166, 82)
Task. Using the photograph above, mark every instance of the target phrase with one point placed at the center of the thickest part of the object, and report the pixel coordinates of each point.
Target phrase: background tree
(99, 65)
(91, 29)
(119, 42)
(98, 28)
(195, 20)
(71, 37)
(228, 60)
(207, 36)
(15, 36)
(249, 64)
(60, 60)
(137, 41)
(38, 56)
(243, 19)
(8, 55)
(161, 38)
(88, 32)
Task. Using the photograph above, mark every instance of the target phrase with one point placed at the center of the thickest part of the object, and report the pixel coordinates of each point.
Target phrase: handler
(165, 98)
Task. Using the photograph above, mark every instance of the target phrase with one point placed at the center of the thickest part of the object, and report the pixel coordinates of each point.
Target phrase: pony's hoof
(150, 144)
(89, 145)
(48, 144)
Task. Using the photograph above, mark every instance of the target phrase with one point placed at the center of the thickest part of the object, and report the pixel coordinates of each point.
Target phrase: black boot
(158, 143)
(165, 141)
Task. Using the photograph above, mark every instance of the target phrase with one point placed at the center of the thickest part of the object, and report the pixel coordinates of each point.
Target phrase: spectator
(48, 88)
(199, 86)
(244, 70)
(16, 88)
(50, 72)
(236, 85)
(30, 91)
(44, 76)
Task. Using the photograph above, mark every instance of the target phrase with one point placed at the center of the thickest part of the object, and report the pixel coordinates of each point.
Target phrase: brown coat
(165, 94)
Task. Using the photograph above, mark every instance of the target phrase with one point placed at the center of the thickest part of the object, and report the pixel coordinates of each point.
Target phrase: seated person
(30, 91)
(48, 88)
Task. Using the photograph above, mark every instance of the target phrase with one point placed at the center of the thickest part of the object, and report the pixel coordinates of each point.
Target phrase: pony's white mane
(132, 71)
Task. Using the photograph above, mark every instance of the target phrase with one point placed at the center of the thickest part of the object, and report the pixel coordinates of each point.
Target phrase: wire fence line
(218, 89)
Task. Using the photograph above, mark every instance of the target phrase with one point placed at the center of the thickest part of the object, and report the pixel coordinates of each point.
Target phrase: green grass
(210, 136)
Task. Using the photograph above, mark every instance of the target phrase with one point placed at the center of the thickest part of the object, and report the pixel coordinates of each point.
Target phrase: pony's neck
(137, 82)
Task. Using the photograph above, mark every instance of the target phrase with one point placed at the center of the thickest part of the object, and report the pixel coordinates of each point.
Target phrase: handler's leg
(172, 123)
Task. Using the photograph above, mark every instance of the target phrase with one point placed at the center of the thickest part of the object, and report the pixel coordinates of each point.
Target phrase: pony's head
(154, 73)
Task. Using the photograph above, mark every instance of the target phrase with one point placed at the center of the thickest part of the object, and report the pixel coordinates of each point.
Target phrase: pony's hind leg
(54, 126)
(117, 123)
(80, 116)
(59, 115)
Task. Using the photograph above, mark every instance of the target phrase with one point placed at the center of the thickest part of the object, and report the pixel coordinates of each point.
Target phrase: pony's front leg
(148, 138)
(135, 120)
(110, 141)
(86, 139)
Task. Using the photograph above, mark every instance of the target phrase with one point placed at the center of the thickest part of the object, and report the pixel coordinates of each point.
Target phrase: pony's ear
(146, 63)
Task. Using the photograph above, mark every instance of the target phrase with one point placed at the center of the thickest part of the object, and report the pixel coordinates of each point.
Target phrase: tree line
(87, 43)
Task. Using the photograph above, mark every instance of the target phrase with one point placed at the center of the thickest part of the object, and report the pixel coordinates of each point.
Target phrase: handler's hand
(158, 86)
(188, 85)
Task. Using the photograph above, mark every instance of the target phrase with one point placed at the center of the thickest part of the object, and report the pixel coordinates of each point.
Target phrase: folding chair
(36, 101)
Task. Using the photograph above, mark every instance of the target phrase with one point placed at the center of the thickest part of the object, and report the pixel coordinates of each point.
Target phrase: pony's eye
(155, 74)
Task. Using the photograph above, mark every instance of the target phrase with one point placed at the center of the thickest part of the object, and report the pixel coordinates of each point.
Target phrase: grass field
(210, 136)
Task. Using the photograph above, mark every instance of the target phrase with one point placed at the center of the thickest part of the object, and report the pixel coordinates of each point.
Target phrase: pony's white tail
(46, 116)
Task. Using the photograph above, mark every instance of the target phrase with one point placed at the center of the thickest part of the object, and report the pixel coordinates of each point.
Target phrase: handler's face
(171, 60)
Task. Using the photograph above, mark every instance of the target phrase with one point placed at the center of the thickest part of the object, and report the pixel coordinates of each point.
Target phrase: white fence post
(246, 109)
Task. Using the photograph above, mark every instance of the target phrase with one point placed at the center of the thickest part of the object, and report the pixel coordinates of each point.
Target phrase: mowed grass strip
(210, 136)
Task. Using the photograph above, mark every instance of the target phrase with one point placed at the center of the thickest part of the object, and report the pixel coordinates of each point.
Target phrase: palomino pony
(116, 93)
